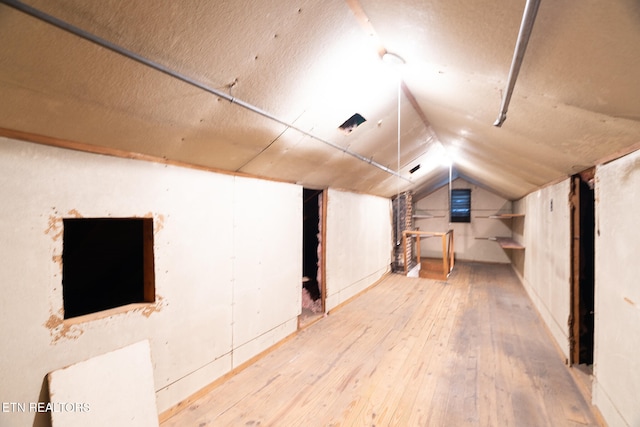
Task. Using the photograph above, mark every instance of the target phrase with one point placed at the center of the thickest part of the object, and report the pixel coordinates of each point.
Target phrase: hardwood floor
(409, 352)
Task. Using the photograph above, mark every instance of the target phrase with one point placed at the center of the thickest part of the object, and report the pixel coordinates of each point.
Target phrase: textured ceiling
(311, 65)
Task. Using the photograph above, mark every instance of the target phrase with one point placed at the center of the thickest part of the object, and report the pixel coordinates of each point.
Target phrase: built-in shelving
(503, 216)
(504, 242)
(423, 214)
(507, 243)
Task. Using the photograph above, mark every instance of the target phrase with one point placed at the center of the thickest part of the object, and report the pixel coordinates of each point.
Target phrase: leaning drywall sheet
(114, 389)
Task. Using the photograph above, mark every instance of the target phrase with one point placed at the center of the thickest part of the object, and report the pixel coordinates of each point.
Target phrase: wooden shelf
(503, 216)
(507, 243)
(424, 214)
(504, 242)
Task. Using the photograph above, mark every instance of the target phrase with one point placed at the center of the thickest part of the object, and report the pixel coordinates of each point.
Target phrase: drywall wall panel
(544, 266)
(112, 389)
(358, 245)
(617, 291)
(190, 325)
(268, 259)
(469, 238)
(250, 349)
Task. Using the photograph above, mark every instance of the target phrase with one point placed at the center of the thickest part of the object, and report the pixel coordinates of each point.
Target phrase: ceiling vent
(351, 123)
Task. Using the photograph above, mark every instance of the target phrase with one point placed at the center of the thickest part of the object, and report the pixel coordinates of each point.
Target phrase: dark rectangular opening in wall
(583, 271)
(106, 263)
(460, 205)
(310, 242)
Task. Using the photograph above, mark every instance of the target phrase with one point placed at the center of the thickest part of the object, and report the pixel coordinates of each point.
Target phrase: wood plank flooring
(409, 352)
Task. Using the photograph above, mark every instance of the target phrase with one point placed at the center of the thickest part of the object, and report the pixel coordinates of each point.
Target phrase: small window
(460, 205)
(106, 263)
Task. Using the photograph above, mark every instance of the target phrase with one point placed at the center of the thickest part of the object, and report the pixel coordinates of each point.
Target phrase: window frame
(460, 200)
(78, 283)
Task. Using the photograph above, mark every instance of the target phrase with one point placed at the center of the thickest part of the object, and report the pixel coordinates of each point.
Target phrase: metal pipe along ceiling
(528, 18)
(31, 11)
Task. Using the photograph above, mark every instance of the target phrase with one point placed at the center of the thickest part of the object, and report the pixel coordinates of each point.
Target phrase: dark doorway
(583, 272)
(312, 295)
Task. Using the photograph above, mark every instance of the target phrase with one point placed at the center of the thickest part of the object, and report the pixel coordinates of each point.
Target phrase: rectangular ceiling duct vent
(413, 169)
(351, 123)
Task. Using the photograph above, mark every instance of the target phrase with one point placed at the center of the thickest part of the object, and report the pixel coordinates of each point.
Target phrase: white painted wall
(467, 247)
(228, 268)
(358, 245)
(545, 271)
(616, 389)
(544, 266)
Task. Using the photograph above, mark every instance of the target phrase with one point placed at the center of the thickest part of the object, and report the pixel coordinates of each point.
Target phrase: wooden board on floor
(113, 389)
(410, 352)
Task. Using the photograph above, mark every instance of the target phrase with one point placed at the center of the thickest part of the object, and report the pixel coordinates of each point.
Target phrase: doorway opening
(312, 257)
(583, 272)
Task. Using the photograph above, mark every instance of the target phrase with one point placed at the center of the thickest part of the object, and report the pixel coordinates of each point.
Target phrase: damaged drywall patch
(54, 228)
(59, 329)
(57, 260)
(73, 213)
(152, 308)
(158, 221)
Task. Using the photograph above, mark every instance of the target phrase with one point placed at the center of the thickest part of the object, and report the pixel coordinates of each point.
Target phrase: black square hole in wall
(106, 263)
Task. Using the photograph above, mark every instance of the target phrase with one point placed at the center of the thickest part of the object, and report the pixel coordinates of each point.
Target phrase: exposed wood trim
(404, 250)
(617, 154)
(149, 279)
(115, 152)
(601, 161)
(414, 103)
(323, 249)
(365, 23)
(574, 289)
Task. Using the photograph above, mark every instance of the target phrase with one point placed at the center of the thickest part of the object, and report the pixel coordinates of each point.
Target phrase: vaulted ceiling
(261, 87)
